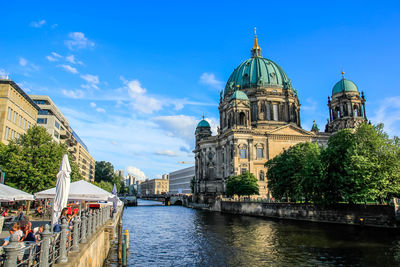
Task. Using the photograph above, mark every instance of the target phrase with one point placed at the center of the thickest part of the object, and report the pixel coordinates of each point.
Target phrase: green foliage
(296, 173)
(242, 185)
(32, 162)
(104, 185)
(356, 166)
(104, 171)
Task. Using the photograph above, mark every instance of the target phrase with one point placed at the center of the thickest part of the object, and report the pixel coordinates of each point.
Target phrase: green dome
(203, 123)
(257, 71)
(239, 95)
(344, 85)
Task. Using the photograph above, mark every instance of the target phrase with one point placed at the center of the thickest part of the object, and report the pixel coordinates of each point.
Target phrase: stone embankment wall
(368, 215)
(95, 251)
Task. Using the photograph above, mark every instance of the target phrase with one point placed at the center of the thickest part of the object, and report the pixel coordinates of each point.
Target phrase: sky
(133, 78)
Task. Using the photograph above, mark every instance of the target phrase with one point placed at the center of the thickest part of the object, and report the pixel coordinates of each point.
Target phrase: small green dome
(203, 123)
(257, 71)
(344, 85)
(239, 95)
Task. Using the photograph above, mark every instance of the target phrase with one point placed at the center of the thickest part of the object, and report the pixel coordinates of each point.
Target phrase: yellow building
(51, 118)
(18, 112)
(154, 187)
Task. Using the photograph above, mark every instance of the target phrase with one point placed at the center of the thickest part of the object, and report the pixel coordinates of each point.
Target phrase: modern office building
(51, 118)
(120, 174)
(130, 180)
(179, 181)
(154, 187)
(18, 112)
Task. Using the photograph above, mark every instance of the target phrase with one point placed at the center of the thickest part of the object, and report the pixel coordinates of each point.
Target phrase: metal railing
(54, 247)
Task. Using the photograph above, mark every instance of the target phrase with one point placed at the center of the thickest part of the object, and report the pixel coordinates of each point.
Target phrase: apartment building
(18, 112)
(179, 181)
(51, 118)
(154, 187)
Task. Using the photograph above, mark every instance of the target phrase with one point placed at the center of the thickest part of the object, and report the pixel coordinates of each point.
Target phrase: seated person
(14, 229)
(20, 214)
(39, 210)
(5, 212)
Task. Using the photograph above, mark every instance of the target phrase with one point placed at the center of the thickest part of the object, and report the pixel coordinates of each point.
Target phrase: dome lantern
(256, 50)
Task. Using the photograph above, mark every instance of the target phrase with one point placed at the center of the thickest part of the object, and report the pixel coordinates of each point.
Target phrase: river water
(179, 236)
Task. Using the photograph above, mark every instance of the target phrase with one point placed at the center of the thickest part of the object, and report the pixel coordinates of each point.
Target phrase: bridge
(168, 200)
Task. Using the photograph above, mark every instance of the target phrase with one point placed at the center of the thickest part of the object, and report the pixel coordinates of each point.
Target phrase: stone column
(63, 242)
(89, 227)
(83, 228)
(45, 247)
(11, 251)
(75, 244)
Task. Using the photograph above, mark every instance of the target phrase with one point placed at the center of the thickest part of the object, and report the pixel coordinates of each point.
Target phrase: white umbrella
(62, 188)
(7, 193)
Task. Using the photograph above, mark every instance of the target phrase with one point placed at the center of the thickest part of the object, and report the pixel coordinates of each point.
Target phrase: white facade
(179, 181)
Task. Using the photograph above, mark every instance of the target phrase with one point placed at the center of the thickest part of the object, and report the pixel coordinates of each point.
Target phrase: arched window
(337, 113)
(262, 177)
(254, 112)
(242, 119)
(355, 111)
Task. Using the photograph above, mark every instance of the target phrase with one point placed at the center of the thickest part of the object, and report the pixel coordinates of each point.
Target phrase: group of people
(19, 213)
(23, 230)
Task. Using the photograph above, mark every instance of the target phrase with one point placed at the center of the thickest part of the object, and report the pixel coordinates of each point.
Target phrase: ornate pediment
(291, 129)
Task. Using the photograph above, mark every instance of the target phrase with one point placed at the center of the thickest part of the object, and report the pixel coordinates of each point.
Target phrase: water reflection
(178, 236)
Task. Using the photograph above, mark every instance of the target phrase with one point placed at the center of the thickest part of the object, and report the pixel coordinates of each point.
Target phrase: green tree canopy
(242, 185)
(296, 173)
(104, 171)
(31, 163)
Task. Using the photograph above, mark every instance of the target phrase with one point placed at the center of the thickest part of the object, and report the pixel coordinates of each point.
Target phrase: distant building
(120, 173)
(51, 118)
(154, 186)
(179, 181)
(18, 112)
(165, 176)
(130, 180)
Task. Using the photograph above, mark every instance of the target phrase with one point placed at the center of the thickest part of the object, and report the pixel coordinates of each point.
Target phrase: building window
(24, 124)
(56, 134)
(43, 112)
(9, 114)
(15, 117)
(260, 153)
(29, 125)
(41, 102)
(243, 153)
(19, 121)
(57, 125)
(12, 134)
(262, 177)
(42, 121)
(7, 133)
(17, 135)
(243, 170)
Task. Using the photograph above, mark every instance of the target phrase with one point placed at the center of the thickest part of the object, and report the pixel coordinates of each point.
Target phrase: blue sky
(134, 78)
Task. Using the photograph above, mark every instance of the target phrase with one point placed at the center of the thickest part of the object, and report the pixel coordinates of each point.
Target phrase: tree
(32, 162)
(296, 173)
(104, 171)
(242, 185)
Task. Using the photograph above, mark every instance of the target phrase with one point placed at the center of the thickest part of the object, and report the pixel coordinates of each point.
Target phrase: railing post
(104, 215)
(98, 219)
(75, 244)
(11, 251)
(89, 230)
(83, 229)
(94, 221)
(63, 242)
(45, 247)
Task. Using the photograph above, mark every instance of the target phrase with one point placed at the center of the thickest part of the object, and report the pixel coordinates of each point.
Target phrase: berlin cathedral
(259, 118)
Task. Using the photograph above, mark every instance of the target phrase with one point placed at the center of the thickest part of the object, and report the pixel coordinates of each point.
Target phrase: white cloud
(68, 68)
(73, 94)
(92, 81)
(3, 73)
(53, 57)
(78, 41)
(93, 105)
(38, 24)
(168, 153)
(139, 100)
(209, 79)
(23, 62)
(71, 59)
(101, 110)
(140, 175)
(388, 113)
(310, 106)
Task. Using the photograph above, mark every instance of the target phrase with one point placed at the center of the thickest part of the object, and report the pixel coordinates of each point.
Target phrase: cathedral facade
(259, 118)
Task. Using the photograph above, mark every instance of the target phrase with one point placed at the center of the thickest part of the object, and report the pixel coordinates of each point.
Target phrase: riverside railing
(55, 247)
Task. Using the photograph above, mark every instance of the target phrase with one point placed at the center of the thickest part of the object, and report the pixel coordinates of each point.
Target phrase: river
(179, 236)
